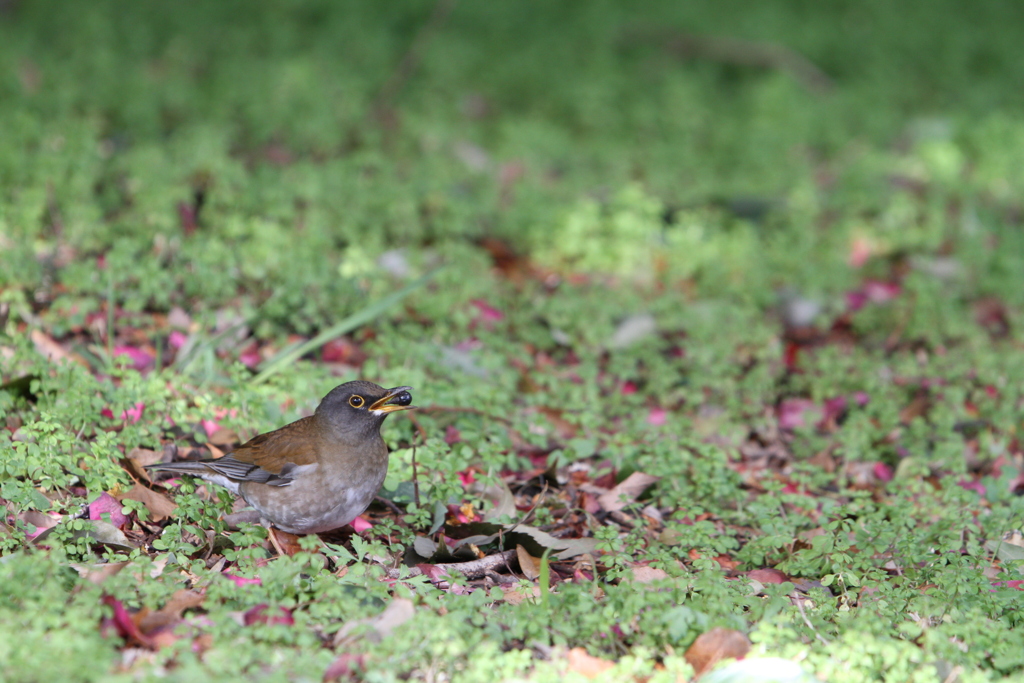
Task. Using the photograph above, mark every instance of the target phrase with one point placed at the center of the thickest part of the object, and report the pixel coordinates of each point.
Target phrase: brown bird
(317, 473)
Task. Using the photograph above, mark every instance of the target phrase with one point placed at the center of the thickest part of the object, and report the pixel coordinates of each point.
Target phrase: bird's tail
(192, 467)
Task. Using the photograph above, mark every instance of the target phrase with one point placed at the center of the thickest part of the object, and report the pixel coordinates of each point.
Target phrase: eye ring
(356, 401)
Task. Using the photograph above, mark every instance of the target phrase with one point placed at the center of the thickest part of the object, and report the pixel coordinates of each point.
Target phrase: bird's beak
(396, 399)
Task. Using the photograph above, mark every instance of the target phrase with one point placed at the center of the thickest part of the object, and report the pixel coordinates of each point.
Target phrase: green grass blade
(341, 327)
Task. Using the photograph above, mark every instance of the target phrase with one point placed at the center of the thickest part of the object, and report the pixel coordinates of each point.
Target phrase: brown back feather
(296, 443)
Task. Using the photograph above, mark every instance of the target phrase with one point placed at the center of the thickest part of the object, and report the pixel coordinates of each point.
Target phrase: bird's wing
(270, 458)
(275, 453)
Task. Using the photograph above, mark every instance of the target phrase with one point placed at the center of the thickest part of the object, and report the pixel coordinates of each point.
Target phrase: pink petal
(657, 416)
(975, 486)
(856, 300)
(360, 524)
(250, 357)
(242, 580)
(347, 667)
(177, 339)
(627, 388)
(880, 292)
(795, 488)
(133, 415)
(791, 413)
(861, 398)
(834, 407)
(487, 312)
(107, 412)
(122, 621)
(106, 503)
(210, 427)
(258, 615)
(140, 360)
(882, 472)
(466, 477)
(452, 435)
(861, 250)
(1016, 584)
(471, 344)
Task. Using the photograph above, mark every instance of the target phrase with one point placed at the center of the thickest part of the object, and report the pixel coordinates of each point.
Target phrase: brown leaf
(918, 407)
(52, 350)
(171, 612)
(767, 575)
(224, 437)
(714, 646)
(566, 430)
(160, 506)
(98, 573)
(528, 563)
(145, 456)
(727, 563)
(586, 664)
(824, 461)
(285, 542)
(626, 491)
(648, 574)
(398, 611)
(346, 667)
(516, 594)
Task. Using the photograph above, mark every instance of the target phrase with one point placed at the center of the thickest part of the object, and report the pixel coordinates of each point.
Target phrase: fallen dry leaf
(224, 437)
(145, 456)
(586, 664)
(98, 573)
(648, 574)
(626, 491)
(160, 506)
(767, 575)
(714, 646)
(398, 611)
(516, 594)
(347, 666)
(52, 350)
(528, 563)
(170, 613)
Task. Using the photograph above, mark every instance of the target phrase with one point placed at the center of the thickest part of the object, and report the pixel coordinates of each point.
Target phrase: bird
(317, 473)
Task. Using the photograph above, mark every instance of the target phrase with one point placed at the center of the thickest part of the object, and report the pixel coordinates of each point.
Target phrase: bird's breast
(324, 497)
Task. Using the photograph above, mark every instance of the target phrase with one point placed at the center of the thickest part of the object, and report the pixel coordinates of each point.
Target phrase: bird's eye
(356, 401)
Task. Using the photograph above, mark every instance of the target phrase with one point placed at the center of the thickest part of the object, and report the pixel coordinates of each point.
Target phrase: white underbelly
(300, 509)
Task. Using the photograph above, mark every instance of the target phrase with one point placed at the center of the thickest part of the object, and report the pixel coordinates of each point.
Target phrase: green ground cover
(768, 255)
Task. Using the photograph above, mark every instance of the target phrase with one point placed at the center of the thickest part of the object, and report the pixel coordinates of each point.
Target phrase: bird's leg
(284, 542)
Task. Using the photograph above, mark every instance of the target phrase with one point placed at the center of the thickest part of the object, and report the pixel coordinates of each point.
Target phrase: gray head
(357, 409)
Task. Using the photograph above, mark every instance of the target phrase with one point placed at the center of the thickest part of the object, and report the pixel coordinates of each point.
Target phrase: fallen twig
(471, 570)
(737, 51)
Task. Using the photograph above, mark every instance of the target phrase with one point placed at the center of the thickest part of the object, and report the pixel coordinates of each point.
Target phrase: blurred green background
(668, 237)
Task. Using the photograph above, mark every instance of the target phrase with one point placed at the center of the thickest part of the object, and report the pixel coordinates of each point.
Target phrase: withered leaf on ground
(644, 574)
(529, 564)
(714, 646)
(170, 613)
(52, 350)
(532, 539)
(398, 611)
(626, 491)
(160, 507)
(585, 664)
